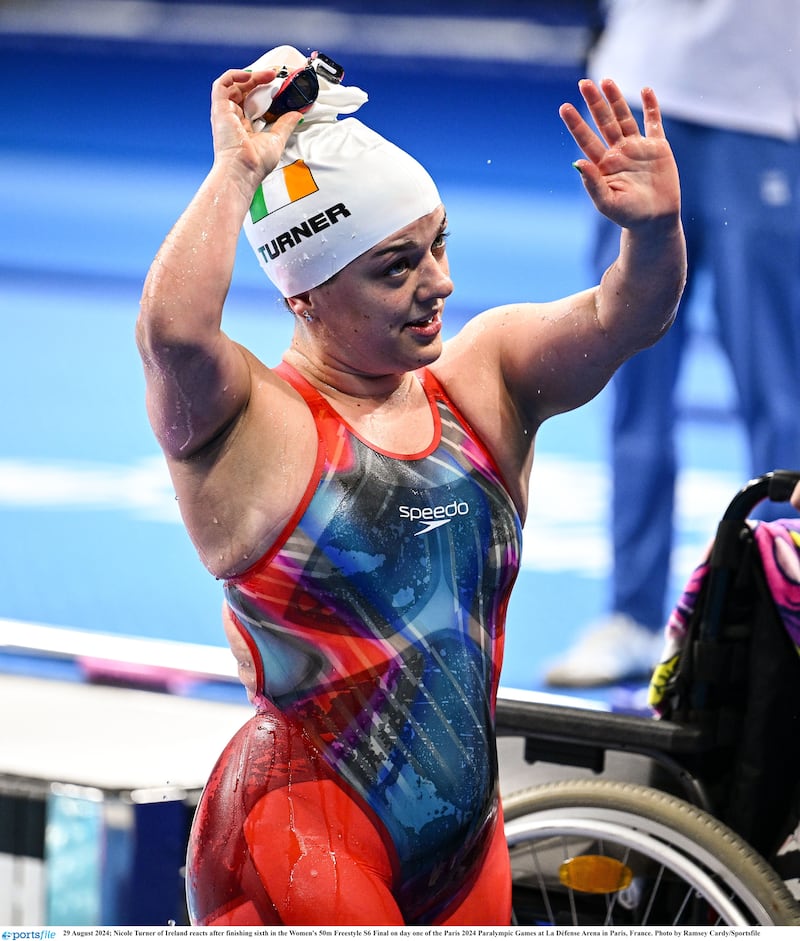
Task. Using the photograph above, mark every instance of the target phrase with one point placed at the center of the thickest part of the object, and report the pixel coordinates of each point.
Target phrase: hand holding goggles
(300, 88)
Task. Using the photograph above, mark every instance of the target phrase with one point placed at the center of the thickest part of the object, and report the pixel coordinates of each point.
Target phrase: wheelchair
(696, 843)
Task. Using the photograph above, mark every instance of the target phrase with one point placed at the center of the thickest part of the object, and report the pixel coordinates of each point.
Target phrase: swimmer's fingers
(612, 116)
(630, 176)
(228, 94)
(653, 125)
(233, 132)
(612, 109)
(236, 84)
(582, 134)
(283, 127)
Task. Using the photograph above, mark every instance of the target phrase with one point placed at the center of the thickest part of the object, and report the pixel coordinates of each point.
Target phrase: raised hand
(234, 135)
(631, 177)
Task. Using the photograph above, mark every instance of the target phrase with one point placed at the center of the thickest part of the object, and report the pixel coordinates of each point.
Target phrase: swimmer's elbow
(157, 331)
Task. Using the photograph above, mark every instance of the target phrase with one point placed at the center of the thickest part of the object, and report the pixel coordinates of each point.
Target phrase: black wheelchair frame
(721, 763)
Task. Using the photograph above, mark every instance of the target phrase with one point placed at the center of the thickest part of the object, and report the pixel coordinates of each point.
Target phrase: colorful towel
(778, 544)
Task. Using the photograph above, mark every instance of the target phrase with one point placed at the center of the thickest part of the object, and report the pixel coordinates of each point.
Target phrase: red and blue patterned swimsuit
(376, 626)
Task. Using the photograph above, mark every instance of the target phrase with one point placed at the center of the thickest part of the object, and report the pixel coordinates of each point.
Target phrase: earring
(307, 316)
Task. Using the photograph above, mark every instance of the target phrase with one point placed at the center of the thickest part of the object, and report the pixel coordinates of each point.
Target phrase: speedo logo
(434, 516)
(310, 227)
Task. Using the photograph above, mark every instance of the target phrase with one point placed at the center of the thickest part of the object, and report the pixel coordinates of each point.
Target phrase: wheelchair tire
(599, 852)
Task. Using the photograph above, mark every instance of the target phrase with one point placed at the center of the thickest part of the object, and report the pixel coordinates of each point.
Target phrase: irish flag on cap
(281, 188)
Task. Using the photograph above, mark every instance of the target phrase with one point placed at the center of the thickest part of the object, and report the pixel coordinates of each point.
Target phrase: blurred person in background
(728, 80)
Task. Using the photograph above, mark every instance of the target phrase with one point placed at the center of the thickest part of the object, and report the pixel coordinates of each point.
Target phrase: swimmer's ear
(300, 304)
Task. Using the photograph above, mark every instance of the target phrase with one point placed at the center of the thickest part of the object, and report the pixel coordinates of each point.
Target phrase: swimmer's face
(241, 652)
(382, 313)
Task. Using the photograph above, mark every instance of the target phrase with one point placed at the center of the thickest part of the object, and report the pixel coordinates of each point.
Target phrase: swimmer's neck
(341, 383)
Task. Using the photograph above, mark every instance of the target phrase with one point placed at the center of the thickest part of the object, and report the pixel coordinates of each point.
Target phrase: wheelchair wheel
(598, 852)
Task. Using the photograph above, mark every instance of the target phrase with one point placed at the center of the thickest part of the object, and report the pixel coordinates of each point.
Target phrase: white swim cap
(339, 189)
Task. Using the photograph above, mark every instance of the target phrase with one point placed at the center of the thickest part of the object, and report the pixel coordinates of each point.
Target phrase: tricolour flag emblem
(281, 188)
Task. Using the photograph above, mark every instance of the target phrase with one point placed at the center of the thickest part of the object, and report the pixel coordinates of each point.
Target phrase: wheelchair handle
(776, 486)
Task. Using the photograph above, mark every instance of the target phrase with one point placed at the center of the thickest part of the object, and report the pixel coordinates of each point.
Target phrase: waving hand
(631, 177)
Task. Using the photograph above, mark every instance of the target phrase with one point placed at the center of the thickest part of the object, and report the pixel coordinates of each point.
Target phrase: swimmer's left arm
(554, 357)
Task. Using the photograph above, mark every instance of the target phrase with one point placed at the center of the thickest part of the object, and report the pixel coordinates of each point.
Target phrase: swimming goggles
(300, 88)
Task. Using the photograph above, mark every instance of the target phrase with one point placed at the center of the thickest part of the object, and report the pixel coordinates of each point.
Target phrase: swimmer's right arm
(198, 380)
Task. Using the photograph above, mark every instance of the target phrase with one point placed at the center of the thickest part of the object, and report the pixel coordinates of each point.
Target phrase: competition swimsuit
(376, 628)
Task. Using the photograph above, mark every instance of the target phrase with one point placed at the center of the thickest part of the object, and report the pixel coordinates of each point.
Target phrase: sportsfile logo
(434, 516)
(42, 934)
